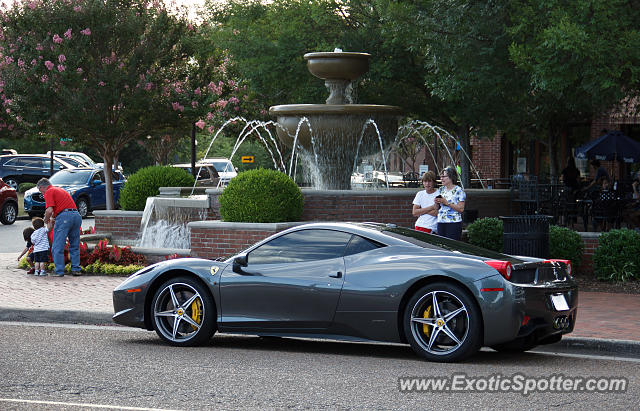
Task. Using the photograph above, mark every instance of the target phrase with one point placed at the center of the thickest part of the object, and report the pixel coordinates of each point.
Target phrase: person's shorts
(41, 256)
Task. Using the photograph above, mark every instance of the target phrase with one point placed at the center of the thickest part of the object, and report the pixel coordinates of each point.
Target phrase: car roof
(37, 155)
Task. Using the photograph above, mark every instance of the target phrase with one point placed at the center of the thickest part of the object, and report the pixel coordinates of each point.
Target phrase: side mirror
(239, 262)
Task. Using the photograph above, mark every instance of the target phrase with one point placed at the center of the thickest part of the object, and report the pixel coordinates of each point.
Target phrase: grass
(21, 204)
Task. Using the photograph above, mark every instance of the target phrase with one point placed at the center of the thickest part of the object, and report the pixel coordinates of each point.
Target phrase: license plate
(559, 302)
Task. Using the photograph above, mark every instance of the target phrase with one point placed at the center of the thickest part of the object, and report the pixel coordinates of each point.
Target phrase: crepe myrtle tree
(104, 72)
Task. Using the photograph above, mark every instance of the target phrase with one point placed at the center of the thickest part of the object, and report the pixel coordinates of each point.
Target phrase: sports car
(358, 281)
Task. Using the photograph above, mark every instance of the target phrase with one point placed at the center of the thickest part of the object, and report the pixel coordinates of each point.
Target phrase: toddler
(40, 246)
(28, 250)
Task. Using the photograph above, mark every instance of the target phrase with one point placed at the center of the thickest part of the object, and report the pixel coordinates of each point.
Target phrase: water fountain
(332, 135)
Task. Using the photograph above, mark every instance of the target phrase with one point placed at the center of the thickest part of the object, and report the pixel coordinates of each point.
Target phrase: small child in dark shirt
(28, 249)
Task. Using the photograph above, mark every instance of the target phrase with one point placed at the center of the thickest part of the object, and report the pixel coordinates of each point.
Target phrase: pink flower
(222, 103)
(67, 34)
(236, 108)
(62, 58)
(210, 129)
(86, 32)
(20, 63)
(209, 116)
(31, 5)
(77, 8)
(197, 91)
(8, 59)
(194, 104)
(49, 65)
(200, 124)
(44, 78)
(57, 39)
(34, 62)
(61, 68)
(79, 70)
(101, 83)
(149, 86)
(39, 47)
(234, 100)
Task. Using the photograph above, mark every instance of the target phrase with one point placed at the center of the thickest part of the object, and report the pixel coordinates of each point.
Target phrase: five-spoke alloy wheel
(442, 323)
(183, 312)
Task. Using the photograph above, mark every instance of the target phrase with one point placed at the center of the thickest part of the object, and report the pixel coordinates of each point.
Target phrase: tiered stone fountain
(332, 135)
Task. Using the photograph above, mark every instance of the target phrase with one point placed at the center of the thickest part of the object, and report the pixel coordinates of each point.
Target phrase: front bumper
(129, 302)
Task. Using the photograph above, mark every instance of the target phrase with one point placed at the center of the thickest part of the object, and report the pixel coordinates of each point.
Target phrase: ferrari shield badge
(214, 270)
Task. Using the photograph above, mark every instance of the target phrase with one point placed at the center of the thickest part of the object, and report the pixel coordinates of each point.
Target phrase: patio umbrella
(612, 146)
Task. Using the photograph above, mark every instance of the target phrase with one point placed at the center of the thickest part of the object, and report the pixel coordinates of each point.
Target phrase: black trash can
(527, 235)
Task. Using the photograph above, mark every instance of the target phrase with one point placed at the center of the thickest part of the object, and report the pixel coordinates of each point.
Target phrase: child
(28, 250)
(40, 246)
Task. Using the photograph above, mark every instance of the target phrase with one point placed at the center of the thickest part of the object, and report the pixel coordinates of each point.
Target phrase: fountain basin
(337, 65)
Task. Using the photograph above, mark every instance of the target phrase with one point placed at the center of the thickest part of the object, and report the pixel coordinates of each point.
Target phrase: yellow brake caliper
(196, 312)
(425, 327)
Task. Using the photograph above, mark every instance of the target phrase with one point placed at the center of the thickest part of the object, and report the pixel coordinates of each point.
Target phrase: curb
(594, 346)
(56, 316)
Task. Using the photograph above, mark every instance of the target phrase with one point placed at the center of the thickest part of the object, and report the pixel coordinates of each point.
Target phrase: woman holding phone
(451, 198)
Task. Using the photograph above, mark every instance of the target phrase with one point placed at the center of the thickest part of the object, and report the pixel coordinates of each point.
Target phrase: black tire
(9, 213)
(192, 322)
(83, 207)
(430, 333)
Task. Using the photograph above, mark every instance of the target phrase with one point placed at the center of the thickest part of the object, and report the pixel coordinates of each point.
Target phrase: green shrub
(22, 187)
(565, 244)
(617, 257)
(146, 183)
(261, 196)
(487, 233)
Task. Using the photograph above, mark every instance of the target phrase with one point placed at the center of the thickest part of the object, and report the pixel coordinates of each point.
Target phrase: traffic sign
(247, 159)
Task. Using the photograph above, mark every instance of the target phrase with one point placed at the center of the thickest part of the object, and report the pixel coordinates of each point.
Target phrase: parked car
(365, 281)
(28, 168)
(78, 156)
(8, 203)
(86, 186)
(224, 167)
(206, 173)
(5, 151)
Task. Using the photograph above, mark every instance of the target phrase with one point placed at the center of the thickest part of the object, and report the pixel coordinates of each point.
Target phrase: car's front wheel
(9, 213)
(443, 323)
(83, 207)
(183, 312)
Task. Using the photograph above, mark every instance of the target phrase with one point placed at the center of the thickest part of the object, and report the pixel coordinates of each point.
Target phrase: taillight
(567, 264)
(503, 267)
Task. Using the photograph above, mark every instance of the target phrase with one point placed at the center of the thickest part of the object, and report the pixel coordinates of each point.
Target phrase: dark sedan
(86, 186)
(363, 281)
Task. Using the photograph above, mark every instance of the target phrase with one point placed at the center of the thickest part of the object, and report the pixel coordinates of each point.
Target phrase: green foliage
(98, 267)
(487, 233)
(617, 257)
(22, 187)
(565, 244)
(261, 196)
(146, 183)
(23, 263)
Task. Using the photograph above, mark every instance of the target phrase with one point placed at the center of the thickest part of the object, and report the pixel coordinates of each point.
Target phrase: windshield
(223, 166)
(432, 241)
(73, 162)
(70, 177)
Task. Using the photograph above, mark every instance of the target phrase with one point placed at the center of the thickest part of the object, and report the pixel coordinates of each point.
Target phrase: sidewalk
(603, 318)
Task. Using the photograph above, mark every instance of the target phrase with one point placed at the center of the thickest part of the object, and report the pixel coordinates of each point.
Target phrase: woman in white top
(424, 206)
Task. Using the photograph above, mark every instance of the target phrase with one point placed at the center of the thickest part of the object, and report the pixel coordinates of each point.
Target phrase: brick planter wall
(213, 239)
(590, 241)
(123, 225)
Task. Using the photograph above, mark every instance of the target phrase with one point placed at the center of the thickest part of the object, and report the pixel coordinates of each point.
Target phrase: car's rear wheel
(12, 182)
(442, 323)
(9, 213)
(183, 312)
(83, 207)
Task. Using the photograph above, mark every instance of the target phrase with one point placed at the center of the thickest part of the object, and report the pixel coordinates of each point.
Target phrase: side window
(32, 162)
(14, 162)
(360, 245)
(299, 246)
(204, 173)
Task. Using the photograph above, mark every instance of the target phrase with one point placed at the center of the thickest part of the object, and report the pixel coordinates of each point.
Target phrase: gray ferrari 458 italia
(363, 281)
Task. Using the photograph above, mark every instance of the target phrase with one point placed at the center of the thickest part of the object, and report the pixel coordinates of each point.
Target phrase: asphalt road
(11, 235)
(73, 367)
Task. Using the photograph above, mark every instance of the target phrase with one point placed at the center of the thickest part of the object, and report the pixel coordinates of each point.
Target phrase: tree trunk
(552, 137)
(108, 181)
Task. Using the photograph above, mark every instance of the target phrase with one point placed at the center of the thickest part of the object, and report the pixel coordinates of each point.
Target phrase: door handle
(336, 275)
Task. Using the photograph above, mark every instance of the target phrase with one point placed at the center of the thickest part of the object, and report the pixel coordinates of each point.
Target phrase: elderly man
(62, 209)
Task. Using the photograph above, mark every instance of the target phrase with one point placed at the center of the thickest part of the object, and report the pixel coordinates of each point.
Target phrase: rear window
(437, 242)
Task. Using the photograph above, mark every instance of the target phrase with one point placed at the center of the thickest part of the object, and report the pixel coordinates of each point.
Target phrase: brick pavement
(87, 298)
